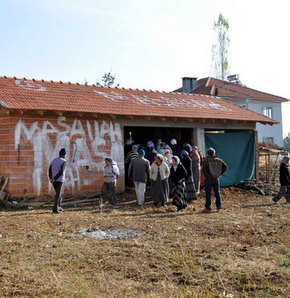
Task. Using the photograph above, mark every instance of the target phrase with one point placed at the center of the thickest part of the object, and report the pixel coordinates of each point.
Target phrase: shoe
(218, 209)
(55, 211)
(274, 201)
(179, 208)
(206, 210)
(107, 203)
(60, 209)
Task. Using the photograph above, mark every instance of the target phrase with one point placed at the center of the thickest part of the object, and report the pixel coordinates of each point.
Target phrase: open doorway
(141, 135)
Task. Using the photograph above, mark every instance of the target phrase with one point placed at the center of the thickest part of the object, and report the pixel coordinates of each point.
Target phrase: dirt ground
(242, 251)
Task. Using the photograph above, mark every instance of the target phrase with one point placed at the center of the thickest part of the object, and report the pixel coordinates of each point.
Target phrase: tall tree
(220, 49)
(286, 142)
(108, 79)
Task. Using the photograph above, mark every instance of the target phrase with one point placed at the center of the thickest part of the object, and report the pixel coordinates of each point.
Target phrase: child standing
(111, 173)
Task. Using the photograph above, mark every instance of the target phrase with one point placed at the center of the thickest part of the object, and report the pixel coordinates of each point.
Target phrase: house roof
(212, 86)
(23, 94)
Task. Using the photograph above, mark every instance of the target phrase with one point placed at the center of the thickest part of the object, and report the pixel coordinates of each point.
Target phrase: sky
(146, 44)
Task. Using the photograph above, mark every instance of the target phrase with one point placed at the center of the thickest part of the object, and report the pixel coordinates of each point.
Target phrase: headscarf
(109, 160)
(176, 158)
(150, 144)
(183, 153)
(173, 142)
(160, 157)
(165, 151)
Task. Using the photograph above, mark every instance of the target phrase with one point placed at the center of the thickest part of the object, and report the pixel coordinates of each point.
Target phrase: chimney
(188, 84)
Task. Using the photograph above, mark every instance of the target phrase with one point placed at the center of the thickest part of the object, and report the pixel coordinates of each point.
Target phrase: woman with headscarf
(167, 157)
(189, 183)
(159, 173)
(150, 151)
(178, 175)
(195, 157)
(111, 173)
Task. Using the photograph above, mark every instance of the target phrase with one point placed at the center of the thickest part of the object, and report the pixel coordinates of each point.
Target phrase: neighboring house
(39, 117)
(260, 102)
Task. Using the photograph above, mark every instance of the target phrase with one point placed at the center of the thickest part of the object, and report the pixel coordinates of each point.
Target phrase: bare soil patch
(242, 251)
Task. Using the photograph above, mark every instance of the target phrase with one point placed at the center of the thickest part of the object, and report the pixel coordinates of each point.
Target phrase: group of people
(168, 174)
(175, 171)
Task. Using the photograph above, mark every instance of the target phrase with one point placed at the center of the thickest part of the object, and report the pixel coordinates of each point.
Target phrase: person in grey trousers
(56, 175)
(139, 170)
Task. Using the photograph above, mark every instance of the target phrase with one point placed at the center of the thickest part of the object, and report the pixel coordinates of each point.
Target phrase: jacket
(163, 170)
(57, 169)
(139, 169)
(211, 160)
(284, 174)
(111, 173)
(179, 174)
(187, 163)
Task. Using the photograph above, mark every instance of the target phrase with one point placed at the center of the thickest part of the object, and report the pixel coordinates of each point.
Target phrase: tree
(107, 79)
(220, 49)
(286, 142)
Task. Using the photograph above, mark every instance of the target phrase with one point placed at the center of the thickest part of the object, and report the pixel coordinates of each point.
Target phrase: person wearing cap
(56, 175)
(111, 173)
(139, 170)
(132, 154)
(212, 167)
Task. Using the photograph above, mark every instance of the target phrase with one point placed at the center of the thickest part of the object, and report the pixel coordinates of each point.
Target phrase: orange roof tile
(226, 89)
(23, 94)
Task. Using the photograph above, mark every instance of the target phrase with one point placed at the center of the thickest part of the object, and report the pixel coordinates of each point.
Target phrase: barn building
(39, 117)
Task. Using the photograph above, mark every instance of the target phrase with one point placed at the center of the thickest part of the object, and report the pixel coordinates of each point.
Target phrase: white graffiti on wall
(164, 101)
(29, 85)
(86, 150)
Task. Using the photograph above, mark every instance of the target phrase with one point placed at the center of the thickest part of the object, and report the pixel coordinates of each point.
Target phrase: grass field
(242, 251)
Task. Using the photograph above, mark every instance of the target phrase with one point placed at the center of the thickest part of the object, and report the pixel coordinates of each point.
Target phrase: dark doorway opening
(141, 135)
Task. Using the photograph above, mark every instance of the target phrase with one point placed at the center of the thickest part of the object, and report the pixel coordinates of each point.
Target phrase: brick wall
(29, 142)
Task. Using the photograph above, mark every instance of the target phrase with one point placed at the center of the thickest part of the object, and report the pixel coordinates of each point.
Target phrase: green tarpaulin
(237, 149)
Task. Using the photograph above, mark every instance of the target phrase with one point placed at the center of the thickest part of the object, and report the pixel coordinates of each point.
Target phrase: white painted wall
(275, 131)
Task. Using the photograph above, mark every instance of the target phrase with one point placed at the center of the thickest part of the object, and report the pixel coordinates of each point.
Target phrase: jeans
(57, 187)
(140, 189)
(215, 184)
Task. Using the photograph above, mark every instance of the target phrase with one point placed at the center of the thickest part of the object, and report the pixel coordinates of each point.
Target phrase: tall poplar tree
(220, 49)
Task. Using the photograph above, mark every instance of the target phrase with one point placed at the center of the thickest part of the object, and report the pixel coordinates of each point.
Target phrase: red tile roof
(212, 86)
(23, 94)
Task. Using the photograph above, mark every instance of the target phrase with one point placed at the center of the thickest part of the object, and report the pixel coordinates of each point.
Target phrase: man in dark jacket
(212, 167)
(139, 170)
(284, 181)
(57, 177)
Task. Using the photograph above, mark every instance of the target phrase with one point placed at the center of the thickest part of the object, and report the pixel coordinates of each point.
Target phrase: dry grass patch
(241, 251)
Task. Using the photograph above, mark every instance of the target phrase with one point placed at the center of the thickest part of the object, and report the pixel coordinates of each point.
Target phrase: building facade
(37, 118)
(260, 102)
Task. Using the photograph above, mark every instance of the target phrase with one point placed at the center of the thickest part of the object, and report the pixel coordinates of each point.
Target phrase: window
(269, 140)
(267, 111)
